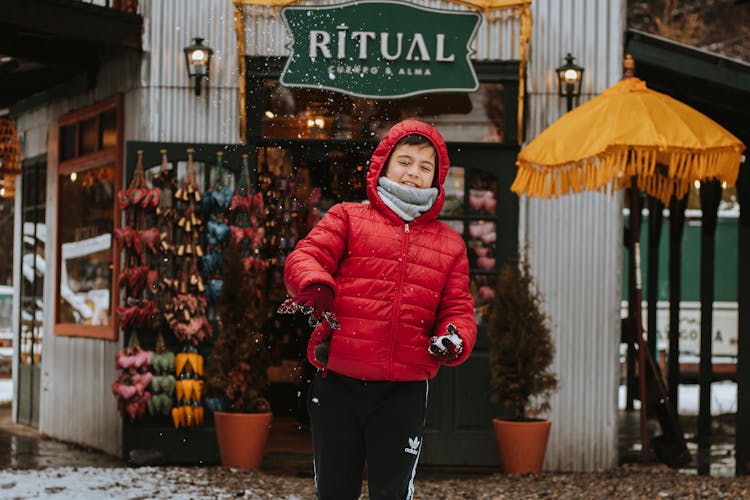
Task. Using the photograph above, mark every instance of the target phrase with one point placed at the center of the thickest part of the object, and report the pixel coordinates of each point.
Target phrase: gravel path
(632, 481)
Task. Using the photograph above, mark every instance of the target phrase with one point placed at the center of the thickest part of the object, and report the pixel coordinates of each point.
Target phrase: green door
(481, 207)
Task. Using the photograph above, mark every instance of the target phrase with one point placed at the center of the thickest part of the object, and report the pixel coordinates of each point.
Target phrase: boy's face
(412, 165)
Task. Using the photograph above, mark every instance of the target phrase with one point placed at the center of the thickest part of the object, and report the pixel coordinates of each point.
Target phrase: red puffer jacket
(396, 284)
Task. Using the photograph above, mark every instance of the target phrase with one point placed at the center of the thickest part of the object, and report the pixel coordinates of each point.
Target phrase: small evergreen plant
(240, 356)
(521, 348)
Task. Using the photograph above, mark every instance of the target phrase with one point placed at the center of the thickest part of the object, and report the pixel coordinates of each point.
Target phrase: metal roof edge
(688, 60)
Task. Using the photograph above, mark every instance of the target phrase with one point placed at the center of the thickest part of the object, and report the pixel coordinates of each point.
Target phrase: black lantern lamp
(198, 60)
(569, 79)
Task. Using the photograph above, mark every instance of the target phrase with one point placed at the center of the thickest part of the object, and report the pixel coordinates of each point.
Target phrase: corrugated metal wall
(591, 30)
(576, 241)
(167, 106)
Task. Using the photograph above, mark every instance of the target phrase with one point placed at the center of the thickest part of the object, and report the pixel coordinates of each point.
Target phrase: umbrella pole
(635, 228)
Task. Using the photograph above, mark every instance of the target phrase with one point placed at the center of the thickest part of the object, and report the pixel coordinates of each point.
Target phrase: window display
(85, 235)
(296, 113)
(88, 182)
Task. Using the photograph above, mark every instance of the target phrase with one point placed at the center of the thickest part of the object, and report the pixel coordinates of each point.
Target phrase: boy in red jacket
(387, 285)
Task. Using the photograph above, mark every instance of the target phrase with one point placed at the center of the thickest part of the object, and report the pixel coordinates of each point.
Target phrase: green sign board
(380, 49)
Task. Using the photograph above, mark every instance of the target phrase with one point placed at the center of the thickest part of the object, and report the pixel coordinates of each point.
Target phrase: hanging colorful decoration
(186, 314)
(186, 311)
(138, 239)
(216, 203)
(138, 278)
(187, 318)
(188, 410)
(174, 239)
(163, 382)
(247, 216)
(166, 217)
(130, 388)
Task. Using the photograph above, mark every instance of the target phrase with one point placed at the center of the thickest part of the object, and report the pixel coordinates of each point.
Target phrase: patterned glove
(315, 301)
(448, 347)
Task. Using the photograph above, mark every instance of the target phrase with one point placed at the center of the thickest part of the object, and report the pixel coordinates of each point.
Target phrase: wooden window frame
(99, 158)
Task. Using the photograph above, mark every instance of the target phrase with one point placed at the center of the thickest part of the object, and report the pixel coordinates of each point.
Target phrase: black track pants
(354, 422)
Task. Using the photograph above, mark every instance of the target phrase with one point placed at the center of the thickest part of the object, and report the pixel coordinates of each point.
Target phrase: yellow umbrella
(628, 130)
(630, 134)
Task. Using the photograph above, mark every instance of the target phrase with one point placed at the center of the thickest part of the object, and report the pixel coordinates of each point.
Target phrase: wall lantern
(569, 79)
(198, 60)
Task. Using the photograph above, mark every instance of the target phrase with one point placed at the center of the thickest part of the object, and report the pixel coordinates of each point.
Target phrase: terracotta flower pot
(242, 438)
(521, 445)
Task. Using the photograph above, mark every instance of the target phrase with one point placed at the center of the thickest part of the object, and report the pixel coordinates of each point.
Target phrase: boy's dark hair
(414, 140)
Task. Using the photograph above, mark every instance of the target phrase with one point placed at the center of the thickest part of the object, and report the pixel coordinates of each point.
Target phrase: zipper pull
(406, 227)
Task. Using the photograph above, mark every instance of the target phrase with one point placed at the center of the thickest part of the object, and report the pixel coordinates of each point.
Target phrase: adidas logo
(413, 446)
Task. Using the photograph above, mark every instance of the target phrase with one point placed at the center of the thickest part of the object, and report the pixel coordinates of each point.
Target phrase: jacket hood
(383, 152)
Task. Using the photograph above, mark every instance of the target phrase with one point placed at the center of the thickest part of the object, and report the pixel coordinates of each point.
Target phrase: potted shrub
(520, 353)
(236, 371)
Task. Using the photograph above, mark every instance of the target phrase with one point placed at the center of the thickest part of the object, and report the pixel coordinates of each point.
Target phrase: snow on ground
(723, 398)
(6, 390)
(183, 483)
(143, 482)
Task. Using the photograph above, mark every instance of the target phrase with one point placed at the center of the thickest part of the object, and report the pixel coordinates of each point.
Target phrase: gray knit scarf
(407, 202)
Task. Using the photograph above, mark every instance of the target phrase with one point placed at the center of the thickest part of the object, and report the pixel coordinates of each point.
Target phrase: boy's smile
(412, 166)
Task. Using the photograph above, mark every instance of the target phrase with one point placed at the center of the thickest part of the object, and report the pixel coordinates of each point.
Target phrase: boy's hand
(447, 347)
(316, 301)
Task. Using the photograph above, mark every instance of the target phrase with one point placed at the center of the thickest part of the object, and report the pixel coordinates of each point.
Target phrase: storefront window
(302, 113)
(88, 182)
(67, 142)
(454, 193)
(85, 235)
(88, 136)
(482, 192)
(476, 222)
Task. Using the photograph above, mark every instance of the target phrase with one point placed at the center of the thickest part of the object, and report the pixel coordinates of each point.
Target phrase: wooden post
(710, 194)
(630, 360)
(655, 222)
(676, 230)
(742, 434)
(635, 227)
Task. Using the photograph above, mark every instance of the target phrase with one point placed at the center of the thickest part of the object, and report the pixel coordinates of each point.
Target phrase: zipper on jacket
(397, 302)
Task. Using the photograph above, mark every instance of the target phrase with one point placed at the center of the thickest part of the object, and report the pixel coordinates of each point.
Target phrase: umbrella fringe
(681, 168)
(590, 175)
